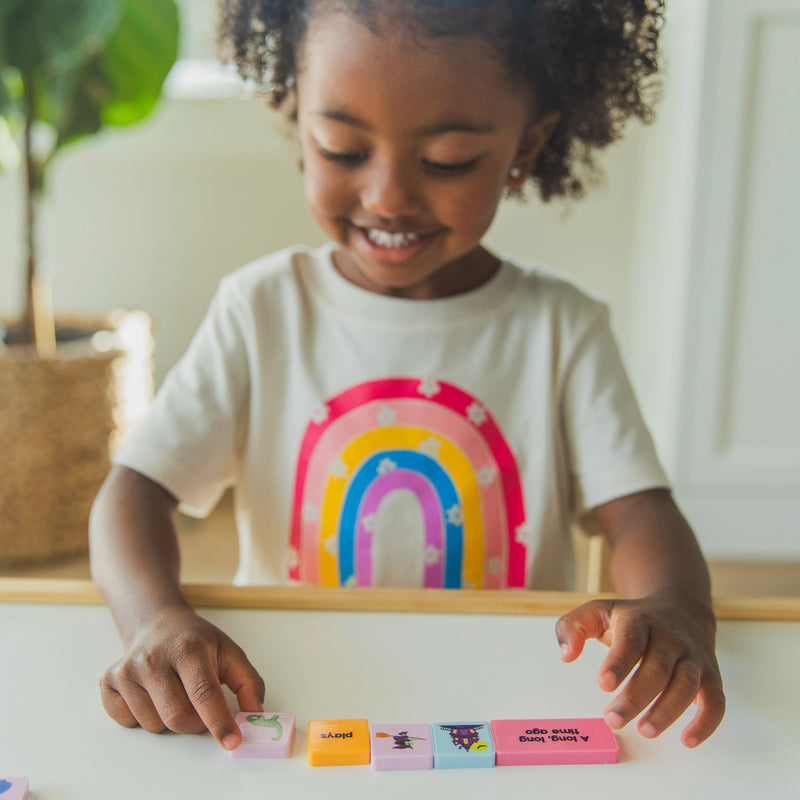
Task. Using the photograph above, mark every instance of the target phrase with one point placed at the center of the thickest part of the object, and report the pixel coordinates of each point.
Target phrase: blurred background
(690, 238)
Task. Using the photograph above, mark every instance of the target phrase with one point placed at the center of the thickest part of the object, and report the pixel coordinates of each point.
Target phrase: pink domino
(14, 789)
(265, 734)
(401, 746)
(554, 741)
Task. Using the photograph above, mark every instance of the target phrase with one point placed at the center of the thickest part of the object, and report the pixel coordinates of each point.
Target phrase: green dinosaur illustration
(263, 722)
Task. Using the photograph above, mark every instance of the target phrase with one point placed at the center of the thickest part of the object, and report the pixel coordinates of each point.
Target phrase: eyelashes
(344, 159)
(458, 168)
(442, 169)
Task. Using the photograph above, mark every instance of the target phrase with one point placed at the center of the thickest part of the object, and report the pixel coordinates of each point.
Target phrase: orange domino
(338, 742)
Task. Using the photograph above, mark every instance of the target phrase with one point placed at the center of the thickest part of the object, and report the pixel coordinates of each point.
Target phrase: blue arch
(414, 461)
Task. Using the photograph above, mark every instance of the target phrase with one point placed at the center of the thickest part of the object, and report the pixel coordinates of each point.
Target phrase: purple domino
(554, 741)
(401, 746)
(14, 789)
(265, 734)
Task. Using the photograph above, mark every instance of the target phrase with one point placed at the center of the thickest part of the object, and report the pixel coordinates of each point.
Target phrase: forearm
(654, 552)
(134, 549)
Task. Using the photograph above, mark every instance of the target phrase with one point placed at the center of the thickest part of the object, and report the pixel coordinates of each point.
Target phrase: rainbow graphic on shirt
(422, 436)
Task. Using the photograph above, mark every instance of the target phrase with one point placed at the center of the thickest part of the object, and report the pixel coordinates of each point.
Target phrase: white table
(386, 667)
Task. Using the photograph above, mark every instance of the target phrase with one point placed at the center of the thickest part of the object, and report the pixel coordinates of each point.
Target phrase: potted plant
(69, 387)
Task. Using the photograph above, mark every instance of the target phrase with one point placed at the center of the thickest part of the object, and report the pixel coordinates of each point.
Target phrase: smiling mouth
(393, 247)
(383, 238)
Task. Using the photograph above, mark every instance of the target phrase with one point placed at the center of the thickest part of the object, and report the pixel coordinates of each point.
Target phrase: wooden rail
(442, 601)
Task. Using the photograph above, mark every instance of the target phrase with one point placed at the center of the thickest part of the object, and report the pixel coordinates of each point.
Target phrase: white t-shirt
(374, 440)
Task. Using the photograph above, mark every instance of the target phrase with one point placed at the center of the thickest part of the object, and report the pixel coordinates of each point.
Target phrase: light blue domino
(462, 744)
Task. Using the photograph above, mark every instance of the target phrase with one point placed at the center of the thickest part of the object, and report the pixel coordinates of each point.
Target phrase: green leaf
(10, 156)
(138, 58)
(54, 35)
(77, 99)
(11, 117)
(87, 63)
(10, 91)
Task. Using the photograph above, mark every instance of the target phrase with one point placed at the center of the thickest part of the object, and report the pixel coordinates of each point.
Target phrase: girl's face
(407, 148)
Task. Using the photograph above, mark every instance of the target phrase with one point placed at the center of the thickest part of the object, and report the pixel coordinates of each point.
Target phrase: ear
(531, 145)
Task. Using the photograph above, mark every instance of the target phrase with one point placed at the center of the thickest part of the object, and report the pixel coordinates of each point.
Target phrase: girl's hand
(171, 679)
(674, 649)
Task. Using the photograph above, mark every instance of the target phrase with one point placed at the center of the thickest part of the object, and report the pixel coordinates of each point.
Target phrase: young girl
(401, 407)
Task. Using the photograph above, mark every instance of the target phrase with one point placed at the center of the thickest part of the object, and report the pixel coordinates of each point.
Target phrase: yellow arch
(453, 461)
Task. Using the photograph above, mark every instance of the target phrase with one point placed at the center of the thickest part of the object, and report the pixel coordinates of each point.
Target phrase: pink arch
(347, 417)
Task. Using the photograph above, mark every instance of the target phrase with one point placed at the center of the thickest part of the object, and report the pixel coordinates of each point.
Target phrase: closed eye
(451, 169)
(443, 169)
(345, 159)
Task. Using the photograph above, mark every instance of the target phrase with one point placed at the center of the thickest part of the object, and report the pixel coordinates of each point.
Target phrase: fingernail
(648, 730)
(607, 681)
(614, 720)
(231, 741)
(691, 742)
(564, 650)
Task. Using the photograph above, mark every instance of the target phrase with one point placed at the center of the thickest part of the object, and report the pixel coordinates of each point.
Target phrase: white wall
(660, 279)
(716, 336)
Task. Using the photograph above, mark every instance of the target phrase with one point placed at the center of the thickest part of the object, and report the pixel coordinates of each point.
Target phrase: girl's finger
(173, 706)
(710, 711)
(630, 636)
(589, 621)
(115, 706)
(138, 702)
(673, 701)
(646, 683)
(200, 679)
(241, 677)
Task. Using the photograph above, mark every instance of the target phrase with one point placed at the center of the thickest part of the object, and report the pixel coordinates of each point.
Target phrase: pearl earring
(515, 173)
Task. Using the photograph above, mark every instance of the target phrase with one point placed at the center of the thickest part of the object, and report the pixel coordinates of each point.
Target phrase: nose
(389, 190)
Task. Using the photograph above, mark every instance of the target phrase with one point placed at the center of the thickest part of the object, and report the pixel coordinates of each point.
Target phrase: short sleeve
(611, 453)
(189, 441)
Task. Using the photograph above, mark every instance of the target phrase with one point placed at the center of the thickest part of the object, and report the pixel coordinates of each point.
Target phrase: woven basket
(61, 419)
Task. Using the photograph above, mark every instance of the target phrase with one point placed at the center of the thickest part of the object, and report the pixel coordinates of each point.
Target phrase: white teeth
(386, 239)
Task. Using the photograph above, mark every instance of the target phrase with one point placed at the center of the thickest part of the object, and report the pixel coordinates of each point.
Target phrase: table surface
(385, 667)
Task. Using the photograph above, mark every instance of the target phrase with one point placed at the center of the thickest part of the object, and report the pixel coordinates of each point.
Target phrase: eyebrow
(436, 129)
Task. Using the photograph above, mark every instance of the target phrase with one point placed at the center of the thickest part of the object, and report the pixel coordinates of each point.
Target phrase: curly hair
(595, 61)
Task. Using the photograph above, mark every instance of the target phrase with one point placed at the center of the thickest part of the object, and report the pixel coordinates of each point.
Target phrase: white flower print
(493, 565)
(386, 416)
(320, 414)
(310, 512)
(465, 584)
(386, 465)
(524, 534)
(486, 476)
(433, 555)
(351, 582)
(455, 515)
(332, 545)
(369, 522)
(292, 558)
(430, 446)
(477, 414)
(429, 387)
(339, 469)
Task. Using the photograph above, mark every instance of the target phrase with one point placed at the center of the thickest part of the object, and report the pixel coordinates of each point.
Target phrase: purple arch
(431, 512)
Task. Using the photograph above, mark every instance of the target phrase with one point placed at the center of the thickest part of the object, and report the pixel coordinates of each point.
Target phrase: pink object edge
(18, 782)
(281, 749)
(557, 753)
